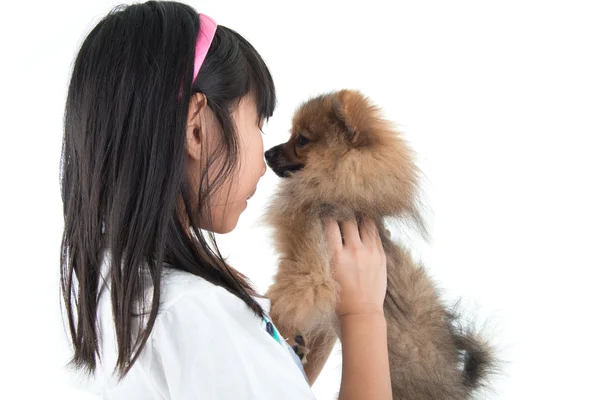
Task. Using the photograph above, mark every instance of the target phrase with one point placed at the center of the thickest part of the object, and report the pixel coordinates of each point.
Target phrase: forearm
(365, 362)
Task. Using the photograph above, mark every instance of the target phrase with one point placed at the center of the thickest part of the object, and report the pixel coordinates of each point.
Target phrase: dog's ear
(350, 110)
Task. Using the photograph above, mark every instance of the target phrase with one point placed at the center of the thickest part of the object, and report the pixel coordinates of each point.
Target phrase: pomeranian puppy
(343, 160)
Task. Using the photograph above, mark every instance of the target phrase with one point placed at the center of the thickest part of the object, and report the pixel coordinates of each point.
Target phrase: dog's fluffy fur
(345, 161)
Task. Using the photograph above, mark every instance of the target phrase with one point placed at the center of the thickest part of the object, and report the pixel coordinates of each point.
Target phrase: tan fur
(354, 164)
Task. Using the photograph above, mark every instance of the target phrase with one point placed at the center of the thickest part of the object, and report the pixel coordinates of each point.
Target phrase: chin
(222, 228)
(225, 228)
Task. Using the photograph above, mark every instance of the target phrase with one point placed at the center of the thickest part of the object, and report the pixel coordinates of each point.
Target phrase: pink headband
(208, 27)
(206, 33)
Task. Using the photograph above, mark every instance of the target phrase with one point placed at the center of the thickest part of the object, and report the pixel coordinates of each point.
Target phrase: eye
(302, 140)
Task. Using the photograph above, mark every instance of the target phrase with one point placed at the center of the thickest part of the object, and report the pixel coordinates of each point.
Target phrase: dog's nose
(269, 154)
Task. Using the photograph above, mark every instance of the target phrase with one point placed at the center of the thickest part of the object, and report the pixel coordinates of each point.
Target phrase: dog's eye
(302, 140)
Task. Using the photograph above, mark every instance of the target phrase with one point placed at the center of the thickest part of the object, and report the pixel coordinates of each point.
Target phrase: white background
(501, 101)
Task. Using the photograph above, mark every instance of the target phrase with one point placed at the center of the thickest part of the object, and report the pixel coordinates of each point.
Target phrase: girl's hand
(359, 266)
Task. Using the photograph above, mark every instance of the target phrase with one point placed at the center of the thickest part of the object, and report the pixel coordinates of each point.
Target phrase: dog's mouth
(285, 171)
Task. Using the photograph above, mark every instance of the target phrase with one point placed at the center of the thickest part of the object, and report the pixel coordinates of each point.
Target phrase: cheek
(254, 153)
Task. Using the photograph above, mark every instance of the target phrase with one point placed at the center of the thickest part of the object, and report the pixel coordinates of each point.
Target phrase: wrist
(363, 322)
(364, 327)
(360, 309)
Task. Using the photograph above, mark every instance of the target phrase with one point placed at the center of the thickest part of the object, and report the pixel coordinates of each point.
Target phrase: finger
(368, 231)
(333, 234)
(378, 236)
(379, 242)
(350, 232)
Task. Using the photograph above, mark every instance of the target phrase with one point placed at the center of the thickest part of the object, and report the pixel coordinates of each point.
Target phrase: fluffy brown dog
(345, 161)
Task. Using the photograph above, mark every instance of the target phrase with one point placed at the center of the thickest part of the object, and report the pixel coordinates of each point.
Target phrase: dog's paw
(299, 347)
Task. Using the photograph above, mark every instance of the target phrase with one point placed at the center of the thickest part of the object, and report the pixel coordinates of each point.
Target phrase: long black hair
(123, 166)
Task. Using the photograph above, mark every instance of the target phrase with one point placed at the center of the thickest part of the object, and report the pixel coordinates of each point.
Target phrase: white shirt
(206, 344)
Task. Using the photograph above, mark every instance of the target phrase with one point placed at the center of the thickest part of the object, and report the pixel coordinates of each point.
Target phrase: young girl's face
(225, 212)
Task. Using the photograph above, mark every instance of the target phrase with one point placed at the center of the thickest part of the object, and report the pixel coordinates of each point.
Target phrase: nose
(269, 153)
(264, 169)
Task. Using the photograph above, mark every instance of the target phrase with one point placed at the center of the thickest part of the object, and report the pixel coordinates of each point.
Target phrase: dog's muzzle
(277, 161)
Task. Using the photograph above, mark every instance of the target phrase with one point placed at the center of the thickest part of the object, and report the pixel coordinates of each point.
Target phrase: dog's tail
(478, 358)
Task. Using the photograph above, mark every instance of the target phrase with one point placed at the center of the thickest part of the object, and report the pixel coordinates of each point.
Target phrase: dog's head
(342, 150)
(324, 127)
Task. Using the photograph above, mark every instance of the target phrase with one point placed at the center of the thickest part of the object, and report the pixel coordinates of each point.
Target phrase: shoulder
(207, 343)
(192, 306)
(180, 289)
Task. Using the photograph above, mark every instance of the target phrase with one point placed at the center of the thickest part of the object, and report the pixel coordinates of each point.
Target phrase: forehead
(312, 114)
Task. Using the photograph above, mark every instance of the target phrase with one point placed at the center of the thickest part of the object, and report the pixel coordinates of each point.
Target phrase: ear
(349, 111)
(194, 128)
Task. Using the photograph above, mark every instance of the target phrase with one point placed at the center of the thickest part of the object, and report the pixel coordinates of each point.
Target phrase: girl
(163, 144)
